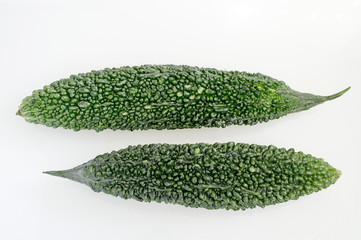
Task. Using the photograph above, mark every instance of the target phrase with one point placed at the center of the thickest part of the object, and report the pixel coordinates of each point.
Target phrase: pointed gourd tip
(339, 173)
(18, 113)
(72, 174)
(55, 173)
(336, 95)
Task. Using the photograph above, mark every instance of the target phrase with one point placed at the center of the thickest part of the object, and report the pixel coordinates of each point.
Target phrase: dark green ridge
(212, 176)
(163, 97)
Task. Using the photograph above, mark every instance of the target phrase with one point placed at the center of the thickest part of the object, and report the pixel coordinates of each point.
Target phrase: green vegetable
(163, 97)
(212, 176)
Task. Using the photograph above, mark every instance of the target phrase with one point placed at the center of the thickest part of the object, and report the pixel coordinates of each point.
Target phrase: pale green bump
(133, 90)
(102, 81)
(83, 104)
(194, 180)
(107, 104)
(84, 90)
(209, 91)
(55, 95)
(65, 98)
(50, 107)
(197, 151)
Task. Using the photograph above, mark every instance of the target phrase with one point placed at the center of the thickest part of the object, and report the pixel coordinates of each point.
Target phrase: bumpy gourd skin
(212, 176)
(162, 97)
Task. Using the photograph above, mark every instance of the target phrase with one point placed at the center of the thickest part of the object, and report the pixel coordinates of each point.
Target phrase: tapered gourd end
(336, 95)
(74, 174)
(303, 101)
(336, 174)
(18, 113)
(339, 173)
(321, 99)
(62, 174)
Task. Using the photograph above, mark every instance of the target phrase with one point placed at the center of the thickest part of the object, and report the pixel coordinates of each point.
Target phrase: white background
(314, 46)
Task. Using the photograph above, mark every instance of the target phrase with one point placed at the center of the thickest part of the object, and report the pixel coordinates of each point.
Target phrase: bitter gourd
(212, 176)
(163, 97)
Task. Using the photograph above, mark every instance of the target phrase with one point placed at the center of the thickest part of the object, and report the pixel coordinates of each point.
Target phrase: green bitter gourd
(163, 97)
(212, 176)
